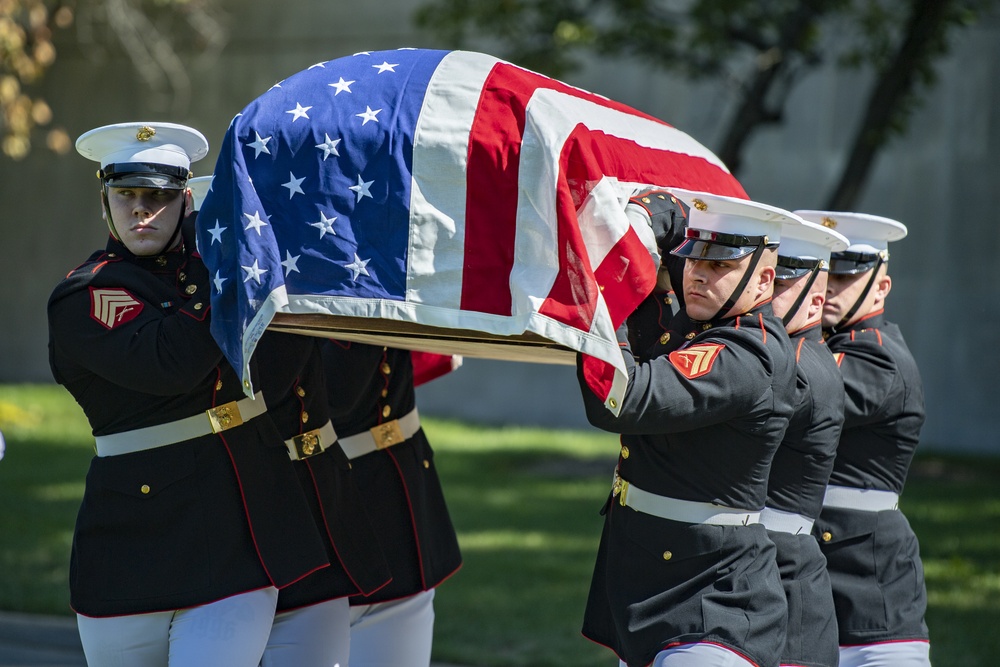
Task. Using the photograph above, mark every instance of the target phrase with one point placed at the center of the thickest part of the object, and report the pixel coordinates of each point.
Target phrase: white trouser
(231, 632)
(315, 635)
(394, 633)
(889, 654)
(698, 655)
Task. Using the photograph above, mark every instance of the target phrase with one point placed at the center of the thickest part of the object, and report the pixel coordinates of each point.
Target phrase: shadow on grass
(41, 483)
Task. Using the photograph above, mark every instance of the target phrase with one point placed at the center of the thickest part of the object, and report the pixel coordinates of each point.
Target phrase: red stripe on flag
(491, 175)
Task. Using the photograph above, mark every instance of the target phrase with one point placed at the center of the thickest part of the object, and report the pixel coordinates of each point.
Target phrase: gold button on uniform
(665, 338)
(427, 464)
(706, 326)
(385, 368)
(827, 536)
(144, 488)
(624, 452)
(667, 555)
(305, 416)
(386, 410)
(161, 261)
(667, 300)
(190, 289)
(385, 392)
(300, 392)
(182, 276)
(612, 402)
(691, 335)
(198, 306)
(218, 385)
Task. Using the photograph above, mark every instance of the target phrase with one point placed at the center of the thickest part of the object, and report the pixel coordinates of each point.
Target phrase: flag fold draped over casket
(445, 189)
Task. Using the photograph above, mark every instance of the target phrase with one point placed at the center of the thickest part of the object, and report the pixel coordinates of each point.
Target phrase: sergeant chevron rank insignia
(695, 361)
(112, 307)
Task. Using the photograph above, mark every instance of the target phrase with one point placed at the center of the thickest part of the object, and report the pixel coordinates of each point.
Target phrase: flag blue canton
(329, 151)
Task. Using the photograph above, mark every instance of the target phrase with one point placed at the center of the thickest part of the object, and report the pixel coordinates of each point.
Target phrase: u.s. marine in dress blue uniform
(312, 625)
(188, 503)
(872, 553)
(801, 466)
(684, 570)
(373, 408)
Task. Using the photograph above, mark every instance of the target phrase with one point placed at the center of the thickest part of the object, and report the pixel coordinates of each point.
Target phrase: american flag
(444, 188)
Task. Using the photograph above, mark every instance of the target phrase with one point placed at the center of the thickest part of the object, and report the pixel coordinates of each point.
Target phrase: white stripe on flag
(438, 187)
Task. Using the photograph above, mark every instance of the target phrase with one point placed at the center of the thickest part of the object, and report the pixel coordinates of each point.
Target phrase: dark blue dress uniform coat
(798, 478)
(291, 370)
(707, 438)
(369, 385)
(873, 557)
(187, 523)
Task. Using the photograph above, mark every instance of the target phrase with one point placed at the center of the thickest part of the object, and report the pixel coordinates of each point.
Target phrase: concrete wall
(940, 179)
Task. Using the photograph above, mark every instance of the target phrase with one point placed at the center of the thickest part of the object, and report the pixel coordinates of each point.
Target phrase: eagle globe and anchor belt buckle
(387, 434)
(224, 417)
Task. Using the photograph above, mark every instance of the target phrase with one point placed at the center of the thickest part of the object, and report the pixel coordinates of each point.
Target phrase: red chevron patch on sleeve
(112, 307)
(695, 361)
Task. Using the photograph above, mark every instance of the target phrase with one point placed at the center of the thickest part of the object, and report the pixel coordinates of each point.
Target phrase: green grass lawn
(525, 502)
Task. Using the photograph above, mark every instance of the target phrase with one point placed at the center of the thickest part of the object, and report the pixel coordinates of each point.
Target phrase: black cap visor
(851, 263)
(790, 268)
(701, 244)
(145, 175)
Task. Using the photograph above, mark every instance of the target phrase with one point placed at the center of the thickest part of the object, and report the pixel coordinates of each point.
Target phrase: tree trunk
(928, 20)
(753, 108)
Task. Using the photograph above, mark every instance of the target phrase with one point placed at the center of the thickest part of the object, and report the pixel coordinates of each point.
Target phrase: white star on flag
(357, 266)
(385, 67)
(361, 189)
(218, 282)
(329, 147)
(255, 222)
(254, 272)
(317, 65)
(216, 232)
(341, 86)
(290, 263)
(368, 115)
(260, 146)
(299, 112)
(325, 226)
(294, 185)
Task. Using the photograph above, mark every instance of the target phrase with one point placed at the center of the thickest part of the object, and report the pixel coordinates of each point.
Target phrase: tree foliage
(759, 49)
(147, 30)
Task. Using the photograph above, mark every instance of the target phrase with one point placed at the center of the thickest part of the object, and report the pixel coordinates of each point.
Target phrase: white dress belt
(214, 420)
(382, 436)
(871, 500)
(674, 509)
(785, 522)
(311, 442)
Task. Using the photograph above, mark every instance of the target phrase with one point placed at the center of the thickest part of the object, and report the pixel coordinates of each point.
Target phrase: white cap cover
(865, 233)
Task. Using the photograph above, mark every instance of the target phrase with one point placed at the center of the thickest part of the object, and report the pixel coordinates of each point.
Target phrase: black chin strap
(801, 297)
(744, 281)
(864, 295)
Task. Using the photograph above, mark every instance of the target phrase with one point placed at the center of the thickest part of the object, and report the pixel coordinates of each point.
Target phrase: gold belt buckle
(387, 434)
(307, 444)
(224, 417)
(620, 489)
